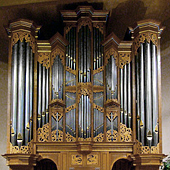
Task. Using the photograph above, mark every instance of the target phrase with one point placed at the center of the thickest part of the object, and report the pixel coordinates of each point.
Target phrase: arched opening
(45, 164)
(123, 164)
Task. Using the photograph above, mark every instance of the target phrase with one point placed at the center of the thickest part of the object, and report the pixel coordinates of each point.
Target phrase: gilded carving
(23, 149)
(85, 22)
(146, 149)
(76, 159)
(59, 52)
(111, 137)
(108, 113)
(98, 70)
(43, 133)
(69, 27)
(145, 36)
(124, 58)
(111, 52)
(44, 59)
(16, 36)
(100, 26)
(70, 138)
(54, 112)
(70, 70)
(92, 159)
(82, 139)
(125, 133)
(70, 108)
(57, 137)
(85, 89)
(99, 138)
(99, 108)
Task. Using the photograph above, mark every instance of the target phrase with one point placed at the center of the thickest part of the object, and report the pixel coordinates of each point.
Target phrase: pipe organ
(84, 99)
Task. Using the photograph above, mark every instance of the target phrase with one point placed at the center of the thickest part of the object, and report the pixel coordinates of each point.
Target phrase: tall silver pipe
(148, 91)
(27, 94)
(14, 94)
(31, 93)
(39, 92)
(129, 95)
(142, 96)
(125, 95)
(82, 116)
(154, 95)
(85, 116)
(47, 95)
(121, 95)
(94, 47)
(21, 100)
(43, 95)
(57, 126)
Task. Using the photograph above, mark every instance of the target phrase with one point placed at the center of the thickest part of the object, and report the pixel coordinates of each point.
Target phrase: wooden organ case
(84, 100)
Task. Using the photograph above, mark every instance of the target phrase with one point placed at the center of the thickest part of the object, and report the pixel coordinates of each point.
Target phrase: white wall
(3, 112)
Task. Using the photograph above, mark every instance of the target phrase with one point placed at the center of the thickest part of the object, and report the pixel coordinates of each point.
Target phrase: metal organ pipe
(27, 93)
(14, 94)
(39, 94)
(121, 95)
(21, 100)
(129, 95)
(43, 95)
(125, 95)
(47, 94)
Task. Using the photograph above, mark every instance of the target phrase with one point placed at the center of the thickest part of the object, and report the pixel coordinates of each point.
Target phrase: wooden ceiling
(122, 13)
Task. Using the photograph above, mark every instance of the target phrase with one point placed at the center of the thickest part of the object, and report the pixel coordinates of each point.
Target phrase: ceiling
(122, 13)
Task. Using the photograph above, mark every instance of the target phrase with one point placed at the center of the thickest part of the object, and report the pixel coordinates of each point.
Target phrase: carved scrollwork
(110, 137)
(100, 69)
(69, 27)
(145, 149)
(100, 26)
(44, 59)
(54, 112)
(82, 139)
(70, 138)
(16, 36)
(77, 159)
(70, 108)
(23, 149)
(145, 36)
(85, 22)
(92, 159)
(57, 137)
(99, 138)
(59, 52)
(108, 113)
(111, 52)
(85, 89)
(70, 70)
(99, 108)
(125, 133)
(124, 58)
(43, 133)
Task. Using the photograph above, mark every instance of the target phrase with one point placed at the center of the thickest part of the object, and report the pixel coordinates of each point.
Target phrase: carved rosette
(70, 138)
(70, 108)
(124, 58)
(16, 36)
(85, 89)
(59, 52)
(44, 59)
(146, 149)
(145, 36)
(100, 26)
(125, 133)
(54, 112)
(99, 108)
(110, 137)
(43, 133)
(92, 159)
(77, 159)
(84, 22)
(109, 53)
(23, 149)
(55, 137)
(99, 138)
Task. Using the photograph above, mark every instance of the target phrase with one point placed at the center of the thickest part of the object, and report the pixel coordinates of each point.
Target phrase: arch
(45, 164)
(123, 164)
